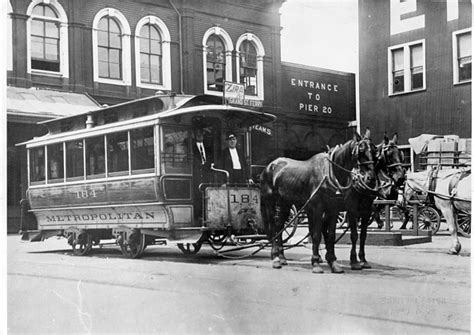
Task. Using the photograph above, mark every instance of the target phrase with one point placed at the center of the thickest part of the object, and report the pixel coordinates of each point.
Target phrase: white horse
(451, 191)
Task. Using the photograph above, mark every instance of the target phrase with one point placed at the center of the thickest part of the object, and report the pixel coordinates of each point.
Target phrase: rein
(432, 193)
(357, 181)
(333, 181)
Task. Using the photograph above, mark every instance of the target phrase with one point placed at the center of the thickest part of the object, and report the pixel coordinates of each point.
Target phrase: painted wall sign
(404, 18)
(324, 93)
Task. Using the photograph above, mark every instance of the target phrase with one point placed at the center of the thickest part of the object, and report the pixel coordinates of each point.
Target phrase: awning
(30, 105)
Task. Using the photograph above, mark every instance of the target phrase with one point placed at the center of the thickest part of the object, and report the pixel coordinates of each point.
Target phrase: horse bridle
(383, 155)
(385, 171)
(355, 154)
(357, 180)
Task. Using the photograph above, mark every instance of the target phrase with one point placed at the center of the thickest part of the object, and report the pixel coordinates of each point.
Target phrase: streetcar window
(95, 157)
(75, 160)
(142, 150)
(37, 166)
(117, 154)
(55, 163)
(175, 156)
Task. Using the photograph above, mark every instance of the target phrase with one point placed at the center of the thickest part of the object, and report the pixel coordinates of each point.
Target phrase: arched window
(248, 67)
(250, 55)
(9, 38)
(111, 47)
(48, 40)
(217, 60)
(215, 65)
(151, 55)
(152, 47)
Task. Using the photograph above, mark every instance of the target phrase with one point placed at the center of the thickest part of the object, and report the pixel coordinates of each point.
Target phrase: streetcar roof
(166, 108)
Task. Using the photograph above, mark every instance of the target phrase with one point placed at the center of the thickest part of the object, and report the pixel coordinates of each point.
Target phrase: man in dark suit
(233, 161)
(202, 158)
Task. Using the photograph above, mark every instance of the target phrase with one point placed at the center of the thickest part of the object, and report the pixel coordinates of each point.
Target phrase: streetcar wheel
(464, 224)
(290, 230)
(134, 245)
(217, 238)
(428, 218)
(341, 219)
(82, 245)
(217, 241)
(190, 248)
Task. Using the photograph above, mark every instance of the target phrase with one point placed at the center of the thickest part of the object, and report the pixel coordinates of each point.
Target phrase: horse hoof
(455, 250)
(317, 269)
(317, 259)
(336, 268)
(365, 265)
(356, 266)
(276, 263)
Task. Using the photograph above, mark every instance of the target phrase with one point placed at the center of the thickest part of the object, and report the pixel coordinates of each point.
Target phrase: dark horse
(316, 181)
(359, 205)
(391, 173)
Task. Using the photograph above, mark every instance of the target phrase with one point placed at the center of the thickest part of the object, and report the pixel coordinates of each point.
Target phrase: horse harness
(453, 183)
(356, 180)
(452, 186)
(432, 182)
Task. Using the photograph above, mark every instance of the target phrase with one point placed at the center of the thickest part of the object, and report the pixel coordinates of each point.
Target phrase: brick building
(415, 59)
(68, 56)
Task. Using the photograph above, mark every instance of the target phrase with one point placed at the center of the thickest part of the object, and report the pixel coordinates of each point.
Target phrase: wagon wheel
(82, 244)
(464, 223)
(190, 248)
(341, 219)
(290, 230)
(133, 246)
(428, 218)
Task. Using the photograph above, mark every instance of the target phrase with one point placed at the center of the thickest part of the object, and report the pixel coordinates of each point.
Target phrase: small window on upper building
(111, 48)
(217, 58)
(152, 54)
(250, 65)
(462, 56)
(215, 65)
(9, 37)
(44, 39)
(407, 67)
(48, 41)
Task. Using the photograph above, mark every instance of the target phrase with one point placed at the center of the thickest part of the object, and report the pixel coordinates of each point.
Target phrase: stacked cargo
(447, 152)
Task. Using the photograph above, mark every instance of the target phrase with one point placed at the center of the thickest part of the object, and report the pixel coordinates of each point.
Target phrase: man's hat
(230, 136)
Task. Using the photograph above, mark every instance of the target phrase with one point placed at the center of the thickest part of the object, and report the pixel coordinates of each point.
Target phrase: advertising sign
(234, 94)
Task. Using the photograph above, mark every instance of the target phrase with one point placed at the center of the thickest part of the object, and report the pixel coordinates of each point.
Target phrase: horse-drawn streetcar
(127, 173)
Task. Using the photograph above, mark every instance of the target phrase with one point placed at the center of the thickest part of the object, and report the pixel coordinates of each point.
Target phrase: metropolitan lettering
(95, 217)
